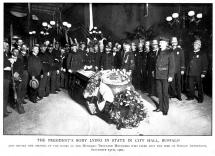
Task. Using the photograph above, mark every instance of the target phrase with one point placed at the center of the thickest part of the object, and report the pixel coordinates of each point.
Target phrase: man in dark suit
(35, 72)
(175, 85)
(164, 73)
(196, 71)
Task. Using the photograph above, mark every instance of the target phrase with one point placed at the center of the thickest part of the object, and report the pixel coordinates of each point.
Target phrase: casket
(78, 82)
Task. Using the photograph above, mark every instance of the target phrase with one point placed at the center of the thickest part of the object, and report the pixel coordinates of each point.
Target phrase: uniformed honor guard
(151, 61)
(175, 85)
(107, 60)
(57, 56)
(42, 91)
(128, 63)
(7, 77)
(196, 71)
(164, 73)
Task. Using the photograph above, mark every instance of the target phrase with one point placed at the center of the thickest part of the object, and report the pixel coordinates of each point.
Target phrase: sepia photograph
(107, 69)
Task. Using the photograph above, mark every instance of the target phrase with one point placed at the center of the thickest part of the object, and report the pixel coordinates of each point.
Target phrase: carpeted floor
(59, 115)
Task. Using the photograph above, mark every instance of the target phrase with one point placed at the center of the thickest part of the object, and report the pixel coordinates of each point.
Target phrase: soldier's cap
(198, 41)
(164, 38)
(174, 40)
(154, 42)
(36, 45)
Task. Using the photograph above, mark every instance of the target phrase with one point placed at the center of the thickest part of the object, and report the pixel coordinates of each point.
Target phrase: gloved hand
(170, 79)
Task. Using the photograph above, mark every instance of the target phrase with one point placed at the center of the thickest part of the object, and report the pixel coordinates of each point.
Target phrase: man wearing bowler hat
(164, 73)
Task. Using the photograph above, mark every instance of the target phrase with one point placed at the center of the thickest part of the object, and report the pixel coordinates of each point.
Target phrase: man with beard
(196, 71)
(175, 85)
(35, 72)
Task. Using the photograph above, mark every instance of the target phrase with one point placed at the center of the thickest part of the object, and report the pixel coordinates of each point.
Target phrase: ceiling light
(175, 15)
(42, 32)
(65, 24)
(45, 24)
(33, 32)
(69, 25)
(52, 22)
(169, 18)
(30, 33)
(191, 13)
(199, 15)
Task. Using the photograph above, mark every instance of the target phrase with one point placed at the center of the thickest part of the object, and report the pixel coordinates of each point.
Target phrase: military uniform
(197, 65)
(64, 72)
(175, 85)
(51, 82)
(164, 69)
(150, 67)
(7, 80)
(43, 90)
(89, 60)
(107, 61)
(128, 61)
(22, 68)
(74, 63)
(57, 56)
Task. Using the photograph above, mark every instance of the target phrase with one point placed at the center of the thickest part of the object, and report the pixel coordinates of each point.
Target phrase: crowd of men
(156, 68)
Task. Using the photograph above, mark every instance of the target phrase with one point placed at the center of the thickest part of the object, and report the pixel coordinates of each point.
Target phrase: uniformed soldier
(151, 62)
(42, 91)
(143, 58)
(53, 69)
(137, 74)
(128, 63)
(56, 54)
(164, 73)
(89, 58)
(20, 80)
(116, 58)
(7, 77)
(35, 72)
(196, 71)
(175, 85)
(23, 56)
(74, 60)
(107, 60)
(74, 63)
